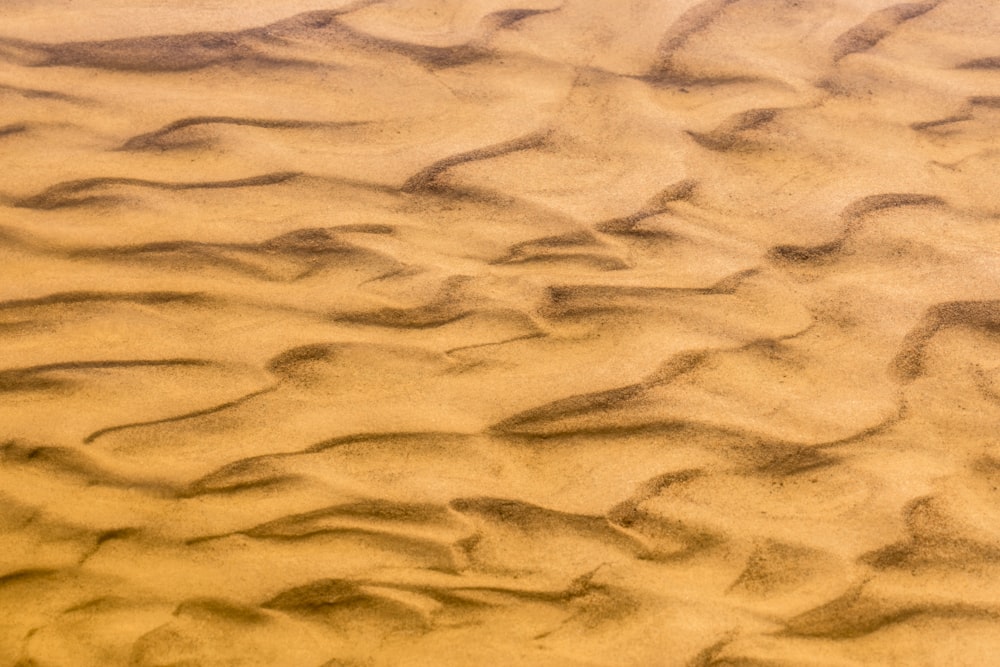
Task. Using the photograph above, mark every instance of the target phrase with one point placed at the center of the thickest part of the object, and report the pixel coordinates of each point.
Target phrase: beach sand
(499, 332)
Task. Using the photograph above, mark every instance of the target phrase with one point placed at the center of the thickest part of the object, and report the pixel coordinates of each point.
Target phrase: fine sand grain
(499, 332)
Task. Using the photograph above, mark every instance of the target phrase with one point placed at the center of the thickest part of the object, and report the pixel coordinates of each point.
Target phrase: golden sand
(499, 332)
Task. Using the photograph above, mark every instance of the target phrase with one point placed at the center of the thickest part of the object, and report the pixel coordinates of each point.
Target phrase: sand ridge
(439, 332)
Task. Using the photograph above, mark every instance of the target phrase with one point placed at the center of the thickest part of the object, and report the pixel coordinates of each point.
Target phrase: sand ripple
(500, 332)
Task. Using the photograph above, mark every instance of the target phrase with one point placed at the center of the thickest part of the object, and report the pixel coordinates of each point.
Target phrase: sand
(499, 332)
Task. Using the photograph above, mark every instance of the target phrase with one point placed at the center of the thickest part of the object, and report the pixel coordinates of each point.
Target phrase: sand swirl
(529, 332)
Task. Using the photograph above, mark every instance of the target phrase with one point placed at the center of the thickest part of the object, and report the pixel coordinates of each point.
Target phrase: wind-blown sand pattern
(500, 332)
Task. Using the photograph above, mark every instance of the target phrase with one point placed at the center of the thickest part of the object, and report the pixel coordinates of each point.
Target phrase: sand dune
(535, 332)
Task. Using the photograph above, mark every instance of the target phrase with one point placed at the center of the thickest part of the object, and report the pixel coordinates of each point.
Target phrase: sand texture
(499, 332)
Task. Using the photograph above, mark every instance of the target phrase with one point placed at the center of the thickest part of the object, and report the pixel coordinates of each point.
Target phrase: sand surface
(499, 332)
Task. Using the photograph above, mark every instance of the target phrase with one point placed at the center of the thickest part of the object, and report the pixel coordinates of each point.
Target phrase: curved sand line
(397, 333)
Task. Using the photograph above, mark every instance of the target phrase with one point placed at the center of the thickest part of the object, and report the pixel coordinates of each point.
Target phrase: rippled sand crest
(499, 332)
